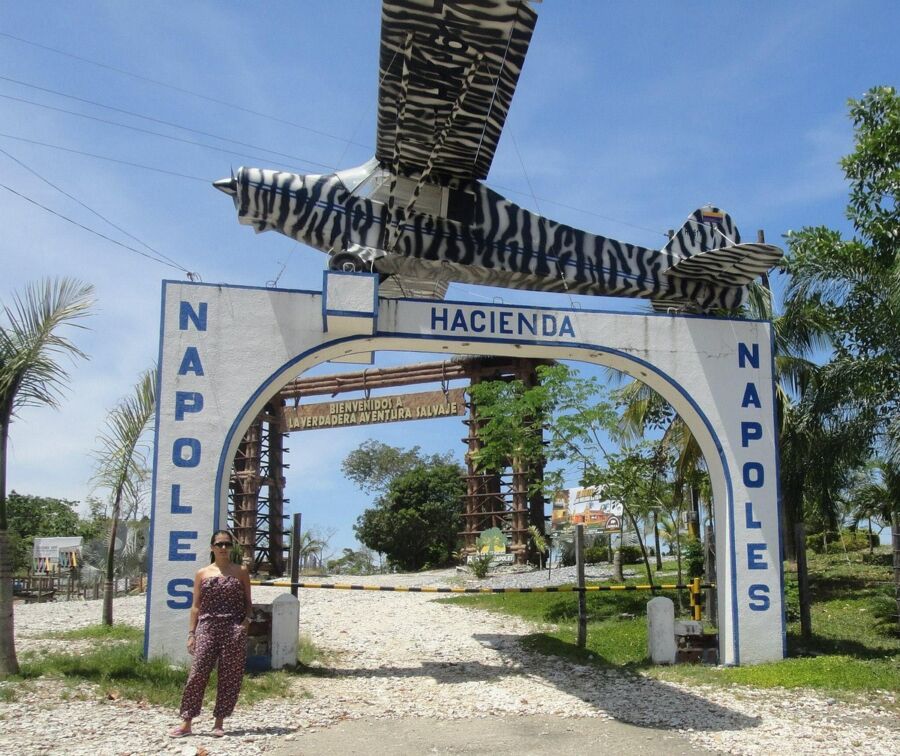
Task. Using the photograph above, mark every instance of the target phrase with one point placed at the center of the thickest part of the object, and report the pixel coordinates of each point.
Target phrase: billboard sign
(585, 506)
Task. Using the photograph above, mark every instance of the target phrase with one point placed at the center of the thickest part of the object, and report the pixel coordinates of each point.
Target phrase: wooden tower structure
(496, 498)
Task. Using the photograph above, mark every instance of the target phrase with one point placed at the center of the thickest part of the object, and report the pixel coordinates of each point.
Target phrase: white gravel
(394, 655)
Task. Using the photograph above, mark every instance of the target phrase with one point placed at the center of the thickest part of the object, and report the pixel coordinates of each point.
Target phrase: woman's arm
(195, 610)
(248, 601)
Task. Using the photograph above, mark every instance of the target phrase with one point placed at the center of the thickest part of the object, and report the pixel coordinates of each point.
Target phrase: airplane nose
(228, 186)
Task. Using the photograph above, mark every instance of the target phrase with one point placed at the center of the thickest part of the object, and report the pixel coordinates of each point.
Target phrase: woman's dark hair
(212, 540)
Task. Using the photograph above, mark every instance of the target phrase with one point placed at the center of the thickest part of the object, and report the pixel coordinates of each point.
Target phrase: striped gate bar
(442, 589)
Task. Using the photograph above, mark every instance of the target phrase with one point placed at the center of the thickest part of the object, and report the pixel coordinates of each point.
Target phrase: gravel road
(398, 662)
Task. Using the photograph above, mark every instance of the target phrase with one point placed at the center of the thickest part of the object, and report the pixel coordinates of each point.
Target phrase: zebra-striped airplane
(417, 212)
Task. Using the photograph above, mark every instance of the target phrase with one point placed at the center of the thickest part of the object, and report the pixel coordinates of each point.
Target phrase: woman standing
(220, 616)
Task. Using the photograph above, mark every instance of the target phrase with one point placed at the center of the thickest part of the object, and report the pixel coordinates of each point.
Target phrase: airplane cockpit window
(363, 179)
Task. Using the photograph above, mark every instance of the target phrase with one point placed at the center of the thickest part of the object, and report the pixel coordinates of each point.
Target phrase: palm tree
(309, 546)
(121, 463)
(875, 495)
(31, 374)
(797, 333)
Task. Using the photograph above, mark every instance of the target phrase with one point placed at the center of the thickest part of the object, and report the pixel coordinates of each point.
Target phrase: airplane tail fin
(706, 228)
(708, 247)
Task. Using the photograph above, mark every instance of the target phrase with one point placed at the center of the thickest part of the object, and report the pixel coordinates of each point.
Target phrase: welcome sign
(424, 405)
(225, 351)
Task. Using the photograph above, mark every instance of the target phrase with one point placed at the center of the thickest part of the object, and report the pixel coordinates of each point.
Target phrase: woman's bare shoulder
(206, 571)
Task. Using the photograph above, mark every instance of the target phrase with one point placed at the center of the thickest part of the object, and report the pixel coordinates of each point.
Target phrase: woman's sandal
(179, 732)
(218, 732)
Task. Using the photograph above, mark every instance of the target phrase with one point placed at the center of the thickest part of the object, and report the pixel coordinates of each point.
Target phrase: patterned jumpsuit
(220, 637)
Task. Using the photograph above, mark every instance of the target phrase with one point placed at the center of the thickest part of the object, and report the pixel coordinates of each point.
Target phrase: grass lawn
(853, 648)
(115, 664)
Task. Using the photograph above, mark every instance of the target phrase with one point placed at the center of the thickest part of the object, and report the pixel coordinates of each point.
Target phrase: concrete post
(582, 597)
(661, 630)
(285, 630)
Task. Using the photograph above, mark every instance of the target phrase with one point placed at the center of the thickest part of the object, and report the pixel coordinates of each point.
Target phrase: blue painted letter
(755, 556)
(192, 401)
(435, 318)
(751, 523)
(192, 445)
(190, 363)
(177, 551)
(177, 506)
(746, 355)
(751, 397)
(750, 431)
(180, 589)
(187, 313)
(754, 475)
(759, 597)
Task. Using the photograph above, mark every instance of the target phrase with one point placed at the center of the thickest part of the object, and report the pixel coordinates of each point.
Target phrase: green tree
(632, 478)
(856, 282)
(416, 522)
(353, 562)
(122, 464)
(32, 350)
(873, 494)
(375, 464)
(565, 419)
(33, 517)
(309, 546)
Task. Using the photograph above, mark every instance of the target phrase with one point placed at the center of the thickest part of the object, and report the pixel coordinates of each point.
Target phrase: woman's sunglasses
(222, 544)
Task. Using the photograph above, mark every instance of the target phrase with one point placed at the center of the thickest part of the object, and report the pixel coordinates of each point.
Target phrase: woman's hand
(246, 624)
(190, 644)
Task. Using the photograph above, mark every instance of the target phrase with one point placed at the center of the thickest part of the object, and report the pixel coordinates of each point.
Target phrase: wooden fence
(67, 585)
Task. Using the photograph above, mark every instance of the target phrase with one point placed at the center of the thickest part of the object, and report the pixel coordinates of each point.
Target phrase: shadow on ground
(623, 695)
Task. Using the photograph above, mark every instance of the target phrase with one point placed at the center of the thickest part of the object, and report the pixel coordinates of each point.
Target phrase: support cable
(152, 119)
(107, 158)
(91, 210)
(158, 83)
(91, 230)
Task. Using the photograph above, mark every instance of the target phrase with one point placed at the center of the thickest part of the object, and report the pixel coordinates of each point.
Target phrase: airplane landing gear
(346, 262)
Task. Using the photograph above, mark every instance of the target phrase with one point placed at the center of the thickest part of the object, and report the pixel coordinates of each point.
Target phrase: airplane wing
(735, 264)
(448, 70)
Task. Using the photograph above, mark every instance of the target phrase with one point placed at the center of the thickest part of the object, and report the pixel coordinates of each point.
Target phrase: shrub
(480, 564)
(567, 554)
(631, 554)
(884, 609)
(792, 600)
(692, 554)
(829, 542)
(881, 559)
(596, 554)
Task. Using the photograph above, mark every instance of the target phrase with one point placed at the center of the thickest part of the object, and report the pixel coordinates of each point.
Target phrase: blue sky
(627, 117)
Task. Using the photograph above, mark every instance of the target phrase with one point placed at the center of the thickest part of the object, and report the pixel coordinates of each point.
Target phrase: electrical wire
(160, 121)
(91, 230)
(91, 210)
(158, 83)
(140, 130)
(525, 172)
(105, 157)
(579, 209)
(277, 119)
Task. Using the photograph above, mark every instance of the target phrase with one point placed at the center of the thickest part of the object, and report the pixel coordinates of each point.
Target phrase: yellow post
(695, 599)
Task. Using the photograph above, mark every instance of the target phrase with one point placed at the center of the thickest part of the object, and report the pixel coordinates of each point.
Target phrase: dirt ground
(498, 736)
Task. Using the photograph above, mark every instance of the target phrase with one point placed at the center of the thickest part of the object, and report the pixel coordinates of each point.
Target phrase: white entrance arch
(225, 351)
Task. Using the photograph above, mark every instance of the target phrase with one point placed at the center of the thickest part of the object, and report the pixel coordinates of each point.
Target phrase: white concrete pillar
(661, 630)
(285, 630)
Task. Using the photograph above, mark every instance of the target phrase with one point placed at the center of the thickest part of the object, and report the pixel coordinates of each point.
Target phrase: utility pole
(582, 596)
(895, 532)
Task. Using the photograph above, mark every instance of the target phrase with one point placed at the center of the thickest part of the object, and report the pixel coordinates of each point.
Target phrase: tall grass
(115, 664)
(852, 648)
